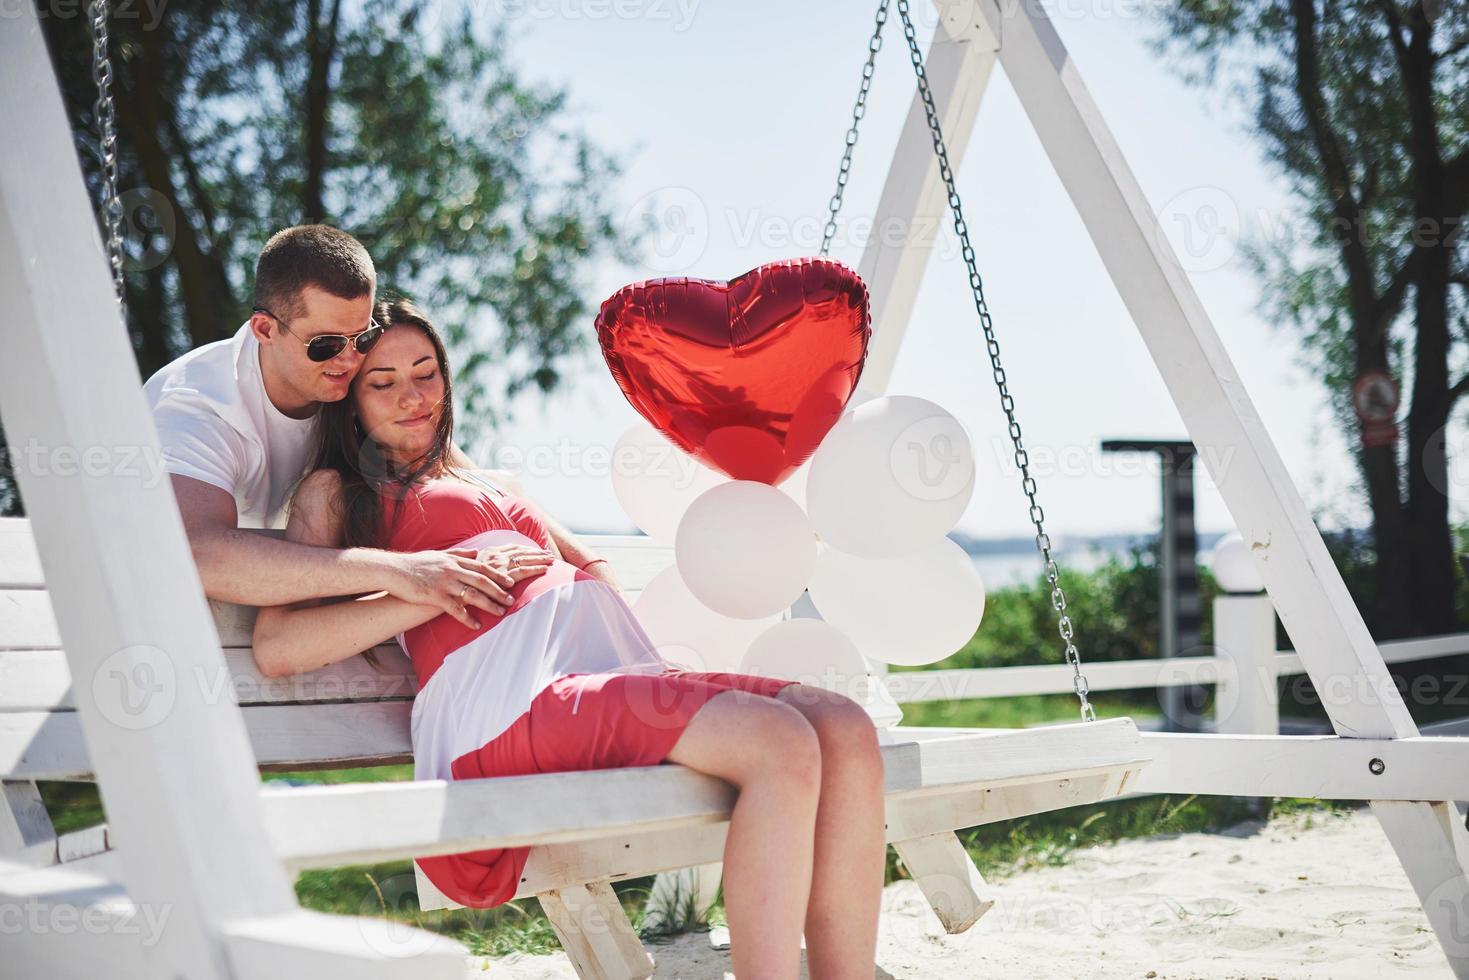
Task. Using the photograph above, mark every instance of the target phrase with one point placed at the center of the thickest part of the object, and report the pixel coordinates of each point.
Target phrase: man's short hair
(310, 255)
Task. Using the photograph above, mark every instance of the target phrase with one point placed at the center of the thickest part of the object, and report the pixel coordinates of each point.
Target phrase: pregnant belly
(428, 644)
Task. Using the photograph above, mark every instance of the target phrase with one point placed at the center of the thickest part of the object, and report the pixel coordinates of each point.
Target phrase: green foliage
(472, 189)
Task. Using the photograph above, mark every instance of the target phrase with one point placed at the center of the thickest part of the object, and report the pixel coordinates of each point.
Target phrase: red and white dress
(565, 679)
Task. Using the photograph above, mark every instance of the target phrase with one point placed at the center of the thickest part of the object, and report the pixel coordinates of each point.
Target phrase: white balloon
(655, 481)
(745, 549)
(913, 609)
(891, 477)
(687, 632)
(794, 486)
(812, 652)
(1234, 567)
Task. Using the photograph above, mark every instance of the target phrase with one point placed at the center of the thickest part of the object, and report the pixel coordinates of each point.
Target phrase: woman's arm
(308, 635)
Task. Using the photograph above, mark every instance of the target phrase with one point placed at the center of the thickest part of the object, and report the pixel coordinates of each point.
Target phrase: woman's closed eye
(384, 387)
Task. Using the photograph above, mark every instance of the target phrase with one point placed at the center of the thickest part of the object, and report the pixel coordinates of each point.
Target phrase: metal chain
(1022, 458)
(874, 44)
(106, 117)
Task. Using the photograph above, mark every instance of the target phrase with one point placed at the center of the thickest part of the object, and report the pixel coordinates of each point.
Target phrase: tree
(1364, 106)
(468, 187)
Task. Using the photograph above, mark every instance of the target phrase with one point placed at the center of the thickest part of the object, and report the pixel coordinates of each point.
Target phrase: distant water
(1000, 571)
(1016, 568)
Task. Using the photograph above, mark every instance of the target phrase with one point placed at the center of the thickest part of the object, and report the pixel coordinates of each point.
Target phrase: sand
(1317, 896)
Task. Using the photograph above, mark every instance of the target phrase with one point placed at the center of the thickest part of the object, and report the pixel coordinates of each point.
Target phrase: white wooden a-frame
(206, 896)
(177, 773)
(1324, 624)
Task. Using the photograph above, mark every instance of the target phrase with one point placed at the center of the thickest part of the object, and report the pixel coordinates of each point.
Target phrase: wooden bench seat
(587, 829)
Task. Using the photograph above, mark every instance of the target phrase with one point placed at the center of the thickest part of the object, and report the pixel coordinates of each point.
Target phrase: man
(236, 420)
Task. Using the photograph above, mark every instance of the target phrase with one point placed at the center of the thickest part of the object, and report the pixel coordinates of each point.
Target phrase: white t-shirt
(217, 424)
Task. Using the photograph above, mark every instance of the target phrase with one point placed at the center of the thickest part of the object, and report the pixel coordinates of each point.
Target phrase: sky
(730, 117)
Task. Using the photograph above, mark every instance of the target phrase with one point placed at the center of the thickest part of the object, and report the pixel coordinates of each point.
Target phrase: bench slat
(345, 824)
(633, 855)
(49, 744)
(40, 680)
(20, 563)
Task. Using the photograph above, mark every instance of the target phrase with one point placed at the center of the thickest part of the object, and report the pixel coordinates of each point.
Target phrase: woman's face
(399, 393)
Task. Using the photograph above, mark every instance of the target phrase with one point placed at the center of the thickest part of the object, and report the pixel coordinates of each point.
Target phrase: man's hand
(452, 581)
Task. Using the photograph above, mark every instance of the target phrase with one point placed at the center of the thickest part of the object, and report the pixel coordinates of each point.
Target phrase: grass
(1000, 850)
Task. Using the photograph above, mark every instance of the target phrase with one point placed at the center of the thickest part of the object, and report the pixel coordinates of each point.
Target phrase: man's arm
(238, 565)
(308, 635)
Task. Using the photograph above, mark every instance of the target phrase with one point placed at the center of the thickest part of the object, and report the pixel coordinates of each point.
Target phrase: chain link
(874, 45)
(1022, 458)
(105, 114)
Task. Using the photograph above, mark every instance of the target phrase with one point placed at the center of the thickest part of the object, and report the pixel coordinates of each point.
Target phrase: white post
(1245, 701)
(176, 772)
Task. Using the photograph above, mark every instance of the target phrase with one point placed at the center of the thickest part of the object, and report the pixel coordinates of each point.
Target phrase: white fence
(1243, 668)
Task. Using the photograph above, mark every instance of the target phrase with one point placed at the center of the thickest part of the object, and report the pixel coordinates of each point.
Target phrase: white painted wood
(1246, 703)
(1314, 605)
(915, 816)
(635, 854)
(912, 212)
(302, 943)
(913, 686)
(179, 783)
(26, 834)
(1319, 766)
(40, 680)
(595, 933)
(80, 844)
(1434, 868)
(320, 826)
(1393, 651)
(430, 899)
(20, 563)
(944, 871)
(68, 923)
(681, 898)
(49, 745)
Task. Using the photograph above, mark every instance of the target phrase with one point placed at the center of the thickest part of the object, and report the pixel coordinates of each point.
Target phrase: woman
(558, 676)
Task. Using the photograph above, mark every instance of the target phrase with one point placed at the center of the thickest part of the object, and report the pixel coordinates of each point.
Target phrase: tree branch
(1344, 203)
(1460, 386)
(1394, 20)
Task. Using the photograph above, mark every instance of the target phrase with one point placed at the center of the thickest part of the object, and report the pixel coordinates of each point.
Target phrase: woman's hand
(601, 569)
(517, 562)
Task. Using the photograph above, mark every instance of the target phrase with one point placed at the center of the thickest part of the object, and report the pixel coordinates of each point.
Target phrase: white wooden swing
(112, 665)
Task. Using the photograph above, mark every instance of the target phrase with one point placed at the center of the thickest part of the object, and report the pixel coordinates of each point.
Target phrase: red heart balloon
(746, 375)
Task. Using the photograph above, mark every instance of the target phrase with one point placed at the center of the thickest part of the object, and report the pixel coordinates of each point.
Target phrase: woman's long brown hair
(342, 445)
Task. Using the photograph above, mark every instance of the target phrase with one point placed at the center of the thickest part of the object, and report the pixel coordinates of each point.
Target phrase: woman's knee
(759, 739)
(843, 727)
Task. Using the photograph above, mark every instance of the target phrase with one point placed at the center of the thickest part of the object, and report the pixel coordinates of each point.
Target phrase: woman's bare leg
(850, 851)
(772, 756)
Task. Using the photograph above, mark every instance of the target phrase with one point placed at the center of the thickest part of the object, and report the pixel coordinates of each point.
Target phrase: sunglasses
(324, 347)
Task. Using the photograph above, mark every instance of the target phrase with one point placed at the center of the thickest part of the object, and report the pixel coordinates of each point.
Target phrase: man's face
(300, 379)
